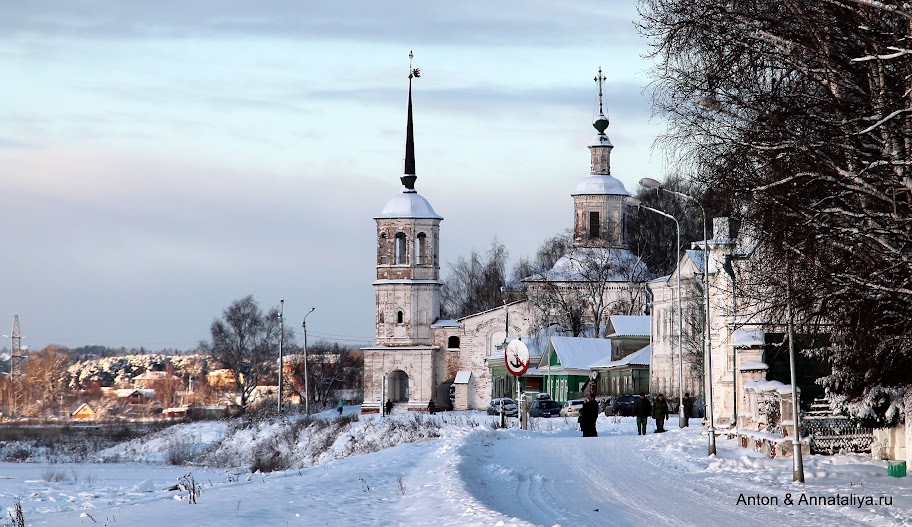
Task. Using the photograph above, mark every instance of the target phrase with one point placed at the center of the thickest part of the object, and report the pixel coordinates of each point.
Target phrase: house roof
(85, 406)
(630, 325)
(753, 365)
(126, 392)
(749, 338)
(637, 358)
(580, 352)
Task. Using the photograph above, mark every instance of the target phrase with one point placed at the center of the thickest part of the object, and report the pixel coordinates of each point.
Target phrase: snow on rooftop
(630, 325)
(446, 324)
(409, 205)
(580, 352)
(749, 338)
(753, 365)
(600, 185)
(462, 377)
(637, 358)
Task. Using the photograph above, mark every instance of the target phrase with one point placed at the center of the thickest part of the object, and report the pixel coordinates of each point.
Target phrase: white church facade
(417, 357)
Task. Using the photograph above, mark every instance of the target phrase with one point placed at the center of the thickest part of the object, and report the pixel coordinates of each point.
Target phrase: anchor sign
(517, 357)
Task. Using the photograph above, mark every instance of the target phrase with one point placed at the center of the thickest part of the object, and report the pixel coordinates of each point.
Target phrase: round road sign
(517, 357)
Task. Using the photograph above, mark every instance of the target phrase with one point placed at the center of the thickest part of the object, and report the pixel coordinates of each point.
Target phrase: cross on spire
(409, 177)
(600, 78)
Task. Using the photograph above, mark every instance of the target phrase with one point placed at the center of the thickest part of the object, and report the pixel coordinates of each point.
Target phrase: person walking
(341, 405)
(588, 415)
(388, 407)
(642, 409)
(432, 408)
(688, 409)
(660, 412)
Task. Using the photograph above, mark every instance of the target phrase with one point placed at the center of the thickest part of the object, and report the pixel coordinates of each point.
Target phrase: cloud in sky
(536, 23)
(162, 160)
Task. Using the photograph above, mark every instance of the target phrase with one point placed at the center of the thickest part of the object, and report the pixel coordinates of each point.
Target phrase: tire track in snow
(614, 481)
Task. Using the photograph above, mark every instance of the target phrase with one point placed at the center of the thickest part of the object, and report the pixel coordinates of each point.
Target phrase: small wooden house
(84, 412)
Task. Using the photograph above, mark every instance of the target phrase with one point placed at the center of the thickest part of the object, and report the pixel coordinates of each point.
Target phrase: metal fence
(835, 433)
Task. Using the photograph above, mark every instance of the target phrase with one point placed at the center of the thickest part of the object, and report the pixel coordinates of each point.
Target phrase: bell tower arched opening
(397, 386)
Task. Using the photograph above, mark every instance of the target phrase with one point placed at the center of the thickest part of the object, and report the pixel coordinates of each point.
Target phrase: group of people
(658, 410)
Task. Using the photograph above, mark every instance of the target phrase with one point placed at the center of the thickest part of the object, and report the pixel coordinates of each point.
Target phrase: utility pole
(281, 351)
(797, 463)
(306, 376)
(15, 373)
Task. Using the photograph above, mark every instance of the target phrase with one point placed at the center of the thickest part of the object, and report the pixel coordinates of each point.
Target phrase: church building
(418, 357)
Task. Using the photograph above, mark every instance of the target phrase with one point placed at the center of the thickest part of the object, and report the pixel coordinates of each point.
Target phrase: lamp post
(306, 383)
(281, 351)
(653, 184)
(630, 200)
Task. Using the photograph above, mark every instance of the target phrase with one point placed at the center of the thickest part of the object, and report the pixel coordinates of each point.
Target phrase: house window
(421, 248)
(400, 248)
(399, 317)
(453, 342)
(593, 225)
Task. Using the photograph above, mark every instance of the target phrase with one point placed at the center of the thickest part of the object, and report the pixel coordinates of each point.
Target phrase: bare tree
(245, 341)
(44, 381)
(331, 367)
(586, 286)
(474, 284)
(652, 237)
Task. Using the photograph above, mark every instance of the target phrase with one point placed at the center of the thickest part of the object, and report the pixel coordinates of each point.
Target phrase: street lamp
(653, 184)
(630, 200)
(306, 386)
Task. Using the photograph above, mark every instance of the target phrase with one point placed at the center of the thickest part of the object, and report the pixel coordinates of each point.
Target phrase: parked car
(623, 405)
(571, 408)
(544, 408)
(505, 405)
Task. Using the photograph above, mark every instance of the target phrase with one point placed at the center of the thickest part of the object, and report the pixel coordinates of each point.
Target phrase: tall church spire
(409, 177)
(600, 149)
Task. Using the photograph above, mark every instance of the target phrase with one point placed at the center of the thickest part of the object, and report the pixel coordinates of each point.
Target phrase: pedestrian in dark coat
(388, 407)
(688, 409)
(588, 415)
(642, 409)
(660, 412)
(432, 408)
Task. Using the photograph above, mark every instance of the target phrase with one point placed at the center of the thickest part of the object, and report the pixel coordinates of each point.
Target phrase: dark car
(544, 408)
(505, 405)
(623, 405)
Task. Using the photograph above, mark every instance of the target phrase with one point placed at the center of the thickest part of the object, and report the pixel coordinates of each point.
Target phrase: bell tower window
(383, 250)
(399, 317)
(593, 225)
(421, 248)
(400, 249)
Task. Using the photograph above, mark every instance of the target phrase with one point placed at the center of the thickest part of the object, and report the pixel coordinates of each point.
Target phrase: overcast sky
(162, 159)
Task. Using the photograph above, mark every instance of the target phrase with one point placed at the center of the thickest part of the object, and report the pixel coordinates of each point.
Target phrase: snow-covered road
(475, 475)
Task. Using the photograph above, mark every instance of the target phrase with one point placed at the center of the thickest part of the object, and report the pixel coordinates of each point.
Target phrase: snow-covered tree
(799, 111)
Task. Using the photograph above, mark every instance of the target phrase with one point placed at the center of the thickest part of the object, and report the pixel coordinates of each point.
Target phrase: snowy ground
(472, 474)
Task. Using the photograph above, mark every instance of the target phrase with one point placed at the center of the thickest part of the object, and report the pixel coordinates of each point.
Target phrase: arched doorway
(444, 395)
(397, 386)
